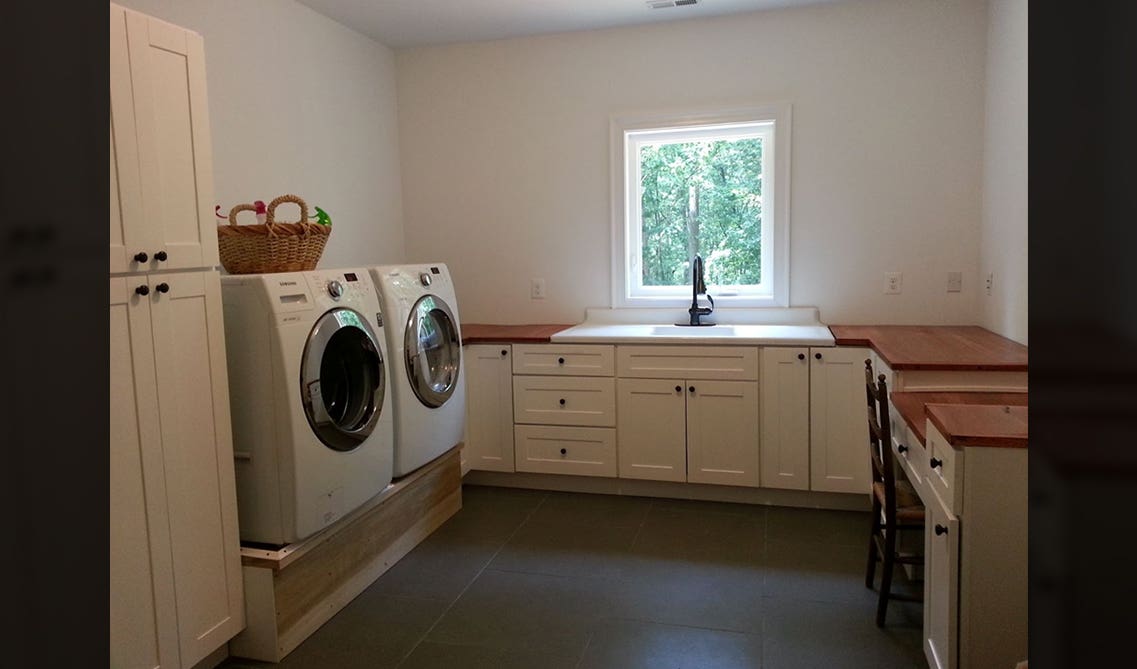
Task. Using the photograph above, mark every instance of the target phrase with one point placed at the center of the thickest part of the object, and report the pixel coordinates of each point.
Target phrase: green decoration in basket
(322, 217)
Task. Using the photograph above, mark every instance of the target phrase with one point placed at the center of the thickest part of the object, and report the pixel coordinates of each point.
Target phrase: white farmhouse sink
(692, 331)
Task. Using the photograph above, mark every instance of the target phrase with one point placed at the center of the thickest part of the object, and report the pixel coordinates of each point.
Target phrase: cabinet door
(941, 586)
(722, 432)
(489, 407)
(785, 418)
(838, 423)
(167, 68)
(197, 445)
(143, 623)
(651, 429)
(128, 233)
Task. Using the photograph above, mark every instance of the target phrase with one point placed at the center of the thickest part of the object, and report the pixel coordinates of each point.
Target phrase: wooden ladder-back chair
(896, 506)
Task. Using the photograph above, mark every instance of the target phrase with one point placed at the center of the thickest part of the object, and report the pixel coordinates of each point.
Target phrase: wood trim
(313, 580)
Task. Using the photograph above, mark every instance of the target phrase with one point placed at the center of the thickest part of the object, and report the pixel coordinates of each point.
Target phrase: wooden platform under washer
(291, 592)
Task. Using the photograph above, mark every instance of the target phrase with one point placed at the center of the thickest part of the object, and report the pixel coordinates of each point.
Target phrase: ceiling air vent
(663, 4)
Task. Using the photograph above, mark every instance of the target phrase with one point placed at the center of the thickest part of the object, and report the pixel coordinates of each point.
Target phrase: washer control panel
(343, 288)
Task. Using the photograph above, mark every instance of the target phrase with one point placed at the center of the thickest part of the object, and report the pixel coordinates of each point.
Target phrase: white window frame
(628, 132)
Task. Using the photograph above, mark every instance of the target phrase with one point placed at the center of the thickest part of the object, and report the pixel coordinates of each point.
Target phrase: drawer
(563, 359)
(724, 363)
(913, 458)
(946, 479)
(565, 400)
(582, 451)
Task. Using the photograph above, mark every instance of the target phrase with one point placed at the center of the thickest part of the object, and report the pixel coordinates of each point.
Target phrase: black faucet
(697, 287)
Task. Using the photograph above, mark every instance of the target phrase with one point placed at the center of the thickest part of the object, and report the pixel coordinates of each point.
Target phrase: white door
(839, 432)
(143, 621)
(651, 429)
(722, 432)
(167, 74)
(193, 402)
(129, 236)
(941, 586)
(489, 407)
(785, 417)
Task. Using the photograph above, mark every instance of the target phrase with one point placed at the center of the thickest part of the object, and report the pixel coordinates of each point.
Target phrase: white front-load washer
(313, 429)
(425, 341)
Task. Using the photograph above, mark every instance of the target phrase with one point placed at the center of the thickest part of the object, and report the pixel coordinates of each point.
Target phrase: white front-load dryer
(425, 341)
(313, 428)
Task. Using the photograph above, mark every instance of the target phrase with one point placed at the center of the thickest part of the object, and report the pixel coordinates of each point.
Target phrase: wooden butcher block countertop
(967, 418)
(485, 333)
(936, 347)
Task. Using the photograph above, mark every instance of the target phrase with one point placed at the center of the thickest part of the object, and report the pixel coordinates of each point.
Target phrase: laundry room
(540, 334)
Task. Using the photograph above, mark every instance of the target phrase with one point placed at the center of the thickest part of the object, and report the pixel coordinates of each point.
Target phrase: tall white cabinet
(175, 573)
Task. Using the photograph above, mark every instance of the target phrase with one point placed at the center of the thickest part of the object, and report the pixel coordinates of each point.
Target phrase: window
(710, 184)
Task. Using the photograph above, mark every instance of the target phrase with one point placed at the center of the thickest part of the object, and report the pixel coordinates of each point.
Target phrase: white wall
(505, 156)
(1003, 240)
(300, 104)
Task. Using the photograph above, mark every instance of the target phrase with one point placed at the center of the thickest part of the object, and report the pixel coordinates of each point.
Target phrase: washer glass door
(432, 351)
(342, 379)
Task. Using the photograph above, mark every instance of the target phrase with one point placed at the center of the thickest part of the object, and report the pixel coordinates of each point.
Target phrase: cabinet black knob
(142, 290)
(161, 256)
(940, 529)
(163, 288)
(504, 352)
(141, 257)
(817, 355)
(935, 462)
(678, 389)
(562, 401)
(692, 389)
(564, 451)
(801, 356)
(560, 361)
(901, 448)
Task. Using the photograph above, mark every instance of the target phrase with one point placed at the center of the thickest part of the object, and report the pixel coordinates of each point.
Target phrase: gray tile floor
(544, 580)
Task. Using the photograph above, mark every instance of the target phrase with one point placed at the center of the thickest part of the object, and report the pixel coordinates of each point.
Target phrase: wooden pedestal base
(291, 592)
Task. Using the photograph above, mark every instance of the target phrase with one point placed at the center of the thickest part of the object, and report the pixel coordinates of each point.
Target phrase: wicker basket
(269, 247)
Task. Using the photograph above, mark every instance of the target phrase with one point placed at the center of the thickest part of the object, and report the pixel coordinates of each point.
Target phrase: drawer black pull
(901, 448)
(504, 352)
(940, 529)
(142, 290)
(678, 389)
(161, 256)
(801, 356)
(564, 451)
(935, 462)
(141, 257)
(560, 361)
(562, 401)
(163, 288)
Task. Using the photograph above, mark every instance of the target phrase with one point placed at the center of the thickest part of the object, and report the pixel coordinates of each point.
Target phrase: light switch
(954, 282)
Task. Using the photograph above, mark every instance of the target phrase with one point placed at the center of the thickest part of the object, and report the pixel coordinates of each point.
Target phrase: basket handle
(270, 211)
(237, 209)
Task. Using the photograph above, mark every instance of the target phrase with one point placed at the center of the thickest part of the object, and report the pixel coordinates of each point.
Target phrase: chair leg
(870, 570)
(887, 562)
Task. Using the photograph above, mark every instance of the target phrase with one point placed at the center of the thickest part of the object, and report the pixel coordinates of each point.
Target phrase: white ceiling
(404, 23)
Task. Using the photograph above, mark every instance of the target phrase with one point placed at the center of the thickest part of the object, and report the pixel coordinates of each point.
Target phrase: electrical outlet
(892, 282)
(537, 289)
(990, 281)
(954, 282)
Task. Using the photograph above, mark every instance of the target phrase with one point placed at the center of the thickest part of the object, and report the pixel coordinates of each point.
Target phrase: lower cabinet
(785, 417)
(651, 426)
(176, 589)
(557, 449)
(838, 426)
(489, 407)
(941, 585)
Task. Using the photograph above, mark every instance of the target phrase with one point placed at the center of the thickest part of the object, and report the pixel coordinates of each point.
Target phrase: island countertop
(936, 347)
(966, 418)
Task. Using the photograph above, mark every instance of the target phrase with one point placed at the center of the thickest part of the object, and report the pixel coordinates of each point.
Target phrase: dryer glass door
(433, 351)
(343, 381)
